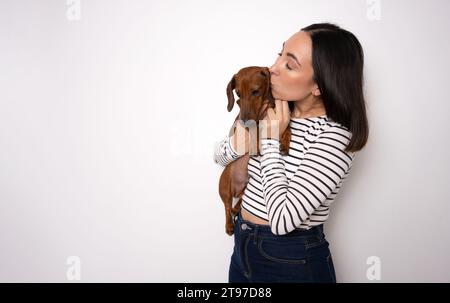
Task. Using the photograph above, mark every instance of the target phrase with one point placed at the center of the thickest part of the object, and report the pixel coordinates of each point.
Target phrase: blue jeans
(261, 256)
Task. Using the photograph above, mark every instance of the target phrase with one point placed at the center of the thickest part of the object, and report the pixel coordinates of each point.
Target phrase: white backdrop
(110, 111)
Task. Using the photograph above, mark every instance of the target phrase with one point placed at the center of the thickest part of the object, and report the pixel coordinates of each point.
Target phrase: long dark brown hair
(337, 60)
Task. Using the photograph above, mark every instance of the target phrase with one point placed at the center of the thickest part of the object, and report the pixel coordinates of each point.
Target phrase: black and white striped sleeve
(289, 203)
(224, 153)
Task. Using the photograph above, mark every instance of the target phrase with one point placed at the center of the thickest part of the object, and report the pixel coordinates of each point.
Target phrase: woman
(279, 230)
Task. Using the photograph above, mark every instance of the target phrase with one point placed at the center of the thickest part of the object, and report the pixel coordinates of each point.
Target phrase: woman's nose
(273, 69)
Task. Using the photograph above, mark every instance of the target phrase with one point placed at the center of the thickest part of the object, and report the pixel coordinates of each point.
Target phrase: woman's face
(292, 73)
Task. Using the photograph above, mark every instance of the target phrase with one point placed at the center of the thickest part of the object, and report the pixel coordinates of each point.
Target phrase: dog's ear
(270, 96)
(230, 87)
(268, 91)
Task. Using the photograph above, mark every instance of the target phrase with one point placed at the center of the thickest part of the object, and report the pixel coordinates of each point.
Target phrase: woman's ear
(316, 91)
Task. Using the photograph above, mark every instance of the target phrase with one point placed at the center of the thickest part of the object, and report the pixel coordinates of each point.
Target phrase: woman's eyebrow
(291, 55)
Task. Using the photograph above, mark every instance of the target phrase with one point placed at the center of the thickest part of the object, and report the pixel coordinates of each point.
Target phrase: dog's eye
(237, 93)
(255, 92)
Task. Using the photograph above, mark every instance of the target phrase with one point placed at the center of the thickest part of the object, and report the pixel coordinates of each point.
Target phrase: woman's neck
(308, 108)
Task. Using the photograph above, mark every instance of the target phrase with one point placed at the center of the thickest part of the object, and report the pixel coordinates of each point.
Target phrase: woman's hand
(279, 116)
(240, 139)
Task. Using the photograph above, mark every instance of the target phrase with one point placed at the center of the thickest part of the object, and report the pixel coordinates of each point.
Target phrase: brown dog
(252, 86)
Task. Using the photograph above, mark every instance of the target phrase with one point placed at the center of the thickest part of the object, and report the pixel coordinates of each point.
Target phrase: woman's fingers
(271, 113)
(278, 107)
(286, 112)
(282, 109)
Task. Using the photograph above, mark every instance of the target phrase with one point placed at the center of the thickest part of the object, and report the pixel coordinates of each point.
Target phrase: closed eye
(287, 65)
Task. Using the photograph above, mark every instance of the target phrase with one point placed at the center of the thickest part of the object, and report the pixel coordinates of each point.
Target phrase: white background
(109, 119)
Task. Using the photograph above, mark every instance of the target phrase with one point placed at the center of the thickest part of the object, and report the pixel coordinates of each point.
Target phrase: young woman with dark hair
(317, 83)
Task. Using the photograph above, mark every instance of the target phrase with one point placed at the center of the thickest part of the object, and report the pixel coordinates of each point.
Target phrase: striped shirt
(295, 191)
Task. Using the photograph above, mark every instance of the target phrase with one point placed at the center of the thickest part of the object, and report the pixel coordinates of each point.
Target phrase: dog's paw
(229, 230)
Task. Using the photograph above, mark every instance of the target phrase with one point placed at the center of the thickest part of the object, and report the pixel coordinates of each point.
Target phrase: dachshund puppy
(252, 86)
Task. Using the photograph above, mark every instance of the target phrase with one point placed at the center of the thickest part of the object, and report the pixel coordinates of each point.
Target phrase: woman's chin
(278, 97)
(275, 95)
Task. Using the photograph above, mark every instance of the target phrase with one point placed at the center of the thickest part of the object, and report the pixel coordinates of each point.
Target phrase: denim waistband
(265, 230)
